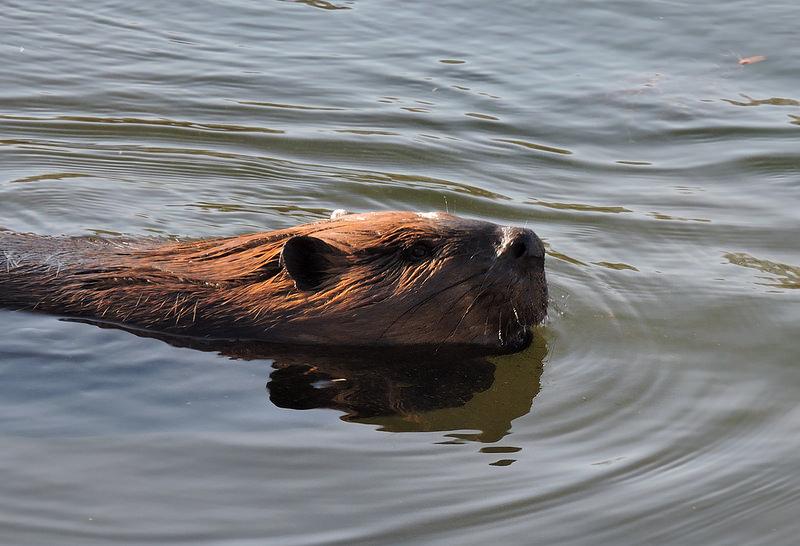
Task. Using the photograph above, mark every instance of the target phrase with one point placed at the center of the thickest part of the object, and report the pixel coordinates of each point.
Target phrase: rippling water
(659, 402)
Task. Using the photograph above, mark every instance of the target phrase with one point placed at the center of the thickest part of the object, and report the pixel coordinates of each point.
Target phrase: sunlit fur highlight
(237, 287)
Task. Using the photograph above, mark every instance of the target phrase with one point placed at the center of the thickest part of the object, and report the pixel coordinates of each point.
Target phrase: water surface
(659, 402)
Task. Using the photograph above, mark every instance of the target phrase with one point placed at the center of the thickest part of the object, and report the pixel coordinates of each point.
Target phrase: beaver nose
(521, 243)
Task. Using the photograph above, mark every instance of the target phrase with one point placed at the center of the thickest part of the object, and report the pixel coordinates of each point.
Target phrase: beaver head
(400, 278)
(382, 278)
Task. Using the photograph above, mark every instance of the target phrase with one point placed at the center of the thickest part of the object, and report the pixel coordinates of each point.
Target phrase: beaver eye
(418, 252)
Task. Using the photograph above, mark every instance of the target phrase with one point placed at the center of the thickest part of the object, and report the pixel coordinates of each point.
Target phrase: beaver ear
(309, 261)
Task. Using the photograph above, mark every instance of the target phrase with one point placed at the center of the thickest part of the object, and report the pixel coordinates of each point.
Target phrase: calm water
(659, 404)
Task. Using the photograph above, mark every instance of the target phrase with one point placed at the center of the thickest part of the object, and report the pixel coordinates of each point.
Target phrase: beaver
(372, 279)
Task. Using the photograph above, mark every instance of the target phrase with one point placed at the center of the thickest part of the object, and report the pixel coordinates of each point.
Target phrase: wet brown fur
(369, 291)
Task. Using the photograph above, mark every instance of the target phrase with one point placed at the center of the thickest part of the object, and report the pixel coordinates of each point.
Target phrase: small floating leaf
(752, 60)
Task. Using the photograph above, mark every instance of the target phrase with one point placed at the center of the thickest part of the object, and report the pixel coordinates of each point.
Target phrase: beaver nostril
(521, 243)
(518, 248)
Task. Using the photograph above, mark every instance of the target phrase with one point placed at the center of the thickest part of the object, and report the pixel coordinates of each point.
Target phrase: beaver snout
(521, 244)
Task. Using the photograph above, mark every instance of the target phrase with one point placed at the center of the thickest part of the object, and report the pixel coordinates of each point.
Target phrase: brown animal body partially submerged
(384, 278)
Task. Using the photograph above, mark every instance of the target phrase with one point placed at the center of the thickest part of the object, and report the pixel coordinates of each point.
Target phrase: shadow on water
(415, 393)
(399, 390)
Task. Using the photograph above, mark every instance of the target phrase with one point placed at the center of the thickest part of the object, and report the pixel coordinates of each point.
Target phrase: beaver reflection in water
(374, 279)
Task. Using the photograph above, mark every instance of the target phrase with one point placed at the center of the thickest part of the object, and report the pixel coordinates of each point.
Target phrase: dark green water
(660, 402)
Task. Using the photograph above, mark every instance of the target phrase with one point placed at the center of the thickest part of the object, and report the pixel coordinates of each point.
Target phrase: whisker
(424, 301)
(470, 307)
